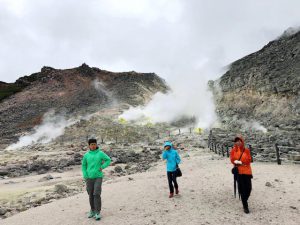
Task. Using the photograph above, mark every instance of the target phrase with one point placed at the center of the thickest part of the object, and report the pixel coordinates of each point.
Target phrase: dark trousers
(245, 187)
(171, 180)
(94, 188)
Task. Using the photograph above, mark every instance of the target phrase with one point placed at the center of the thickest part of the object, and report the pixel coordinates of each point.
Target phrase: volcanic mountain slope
(76, 91)
(263, 87)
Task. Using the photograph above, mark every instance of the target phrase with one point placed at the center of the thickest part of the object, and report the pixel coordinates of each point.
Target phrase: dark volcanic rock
(262, 89)
(263, 86)
(4, 172)
(60, 189)
(2, 211)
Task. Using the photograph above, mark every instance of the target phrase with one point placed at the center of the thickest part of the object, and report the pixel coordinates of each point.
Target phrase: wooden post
(179, 132)
(227, 151)
(223, 151)
(216, 148)
(102, 141)
(190, 130)
(208, 141)
(277, 154)
(158, 136)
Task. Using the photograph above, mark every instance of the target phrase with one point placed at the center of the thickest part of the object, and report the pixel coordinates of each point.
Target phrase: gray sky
(173, 38)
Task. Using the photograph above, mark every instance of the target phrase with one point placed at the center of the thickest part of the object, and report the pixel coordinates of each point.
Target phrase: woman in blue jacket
(173, 159)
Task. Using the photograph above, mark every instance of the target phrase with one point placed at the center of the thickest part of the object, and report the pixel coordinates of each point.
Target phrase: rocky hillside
(263, 86)
(261, 91)
(76, 91)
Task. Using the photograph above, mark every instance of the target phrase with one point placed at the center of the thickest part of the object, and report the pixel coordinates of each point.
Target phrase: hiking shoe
(97, 216)
(246, 210)
(176, 191)
(171, 195)
(91, 214)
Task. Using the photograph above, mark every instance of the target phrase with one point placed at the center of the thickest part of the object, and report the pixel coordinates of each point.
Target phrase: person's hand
(100, 169)
(167, 148)
(237, 162)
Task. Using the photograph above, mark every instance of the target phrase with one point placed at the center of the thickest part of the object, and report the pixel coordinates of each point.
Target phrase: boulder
(61, 188)
(118, 169)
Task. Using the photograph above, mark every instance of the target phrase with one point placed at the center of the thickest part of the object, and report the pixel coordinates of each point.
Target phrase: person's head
(238, 142)
(92, 144)
(168, 145)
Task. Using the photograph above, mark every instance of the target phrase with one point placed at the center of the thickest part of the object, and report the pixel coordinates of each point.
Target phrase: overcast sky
(173, 38)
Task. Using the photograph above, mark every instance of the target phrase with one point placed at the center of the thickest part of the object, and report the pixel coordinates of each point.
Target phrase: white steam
(289, 32)
(52, 127)
(254, 126)
(189, 97)
(102, 89)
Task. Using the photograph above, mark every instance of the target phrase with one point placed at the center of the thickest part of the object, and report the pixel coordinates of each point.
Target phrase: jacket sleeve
(232, 156)
(164, 155)
(246, 158)
(178, 160)
(84, 167)
(106, 160)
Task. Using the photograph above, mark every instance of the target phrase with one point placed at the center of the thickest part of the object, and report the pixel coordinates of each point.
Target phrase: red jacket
(235, 154)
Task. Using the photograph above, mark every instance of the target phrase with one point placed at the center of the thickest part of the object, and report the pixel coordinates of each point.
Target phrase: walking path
(206, 197)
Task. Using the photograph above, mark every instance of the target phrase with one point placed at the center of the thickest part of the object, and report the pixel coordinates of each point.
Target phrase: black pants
(171, 180)
(94, 188)
(245, 187)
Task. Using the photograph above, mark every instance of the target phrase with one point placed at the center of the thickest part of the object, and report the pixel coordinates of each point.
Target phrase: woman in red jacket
(241, 158)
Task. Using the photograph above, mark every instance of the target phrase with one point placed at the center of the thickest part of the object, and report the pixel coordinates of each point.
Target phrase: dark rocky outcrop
(263, 89)
(263, 86)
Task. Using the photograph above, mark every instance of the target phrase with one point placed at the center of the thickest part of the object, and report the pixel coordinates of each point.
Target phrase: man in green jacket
(93, 162)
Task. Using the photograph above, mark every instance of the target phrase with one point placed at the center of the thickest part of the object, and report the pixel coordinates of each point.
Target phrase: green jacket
(92, 161)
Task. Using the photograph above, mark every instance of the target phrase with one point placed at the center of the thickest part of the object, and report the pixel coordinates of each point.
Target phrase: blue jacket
(172, 157)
